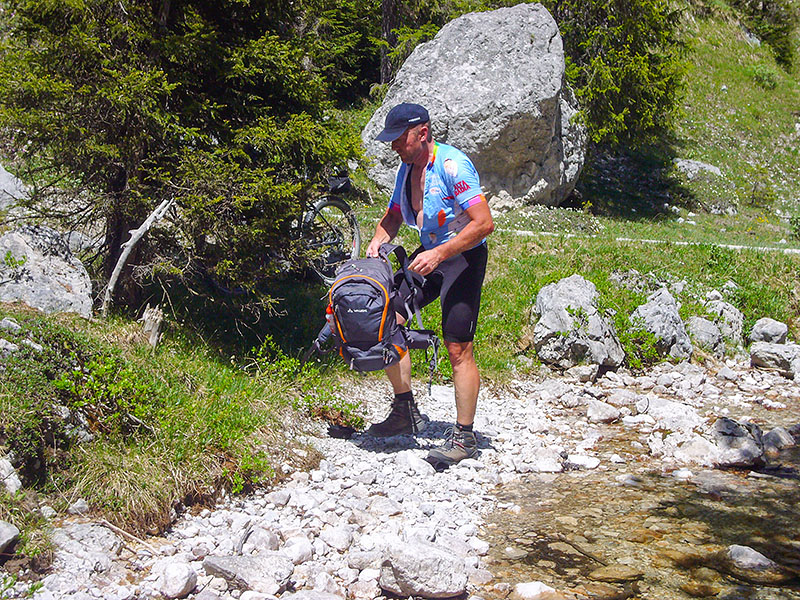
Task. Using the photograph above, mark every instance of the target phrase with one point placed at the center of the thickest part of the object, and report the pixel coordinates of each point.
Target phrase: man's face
(409, 146)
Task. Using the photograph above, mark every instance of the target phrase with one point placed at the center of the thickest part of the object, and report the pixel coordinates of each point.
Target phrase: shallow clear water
(653, 536)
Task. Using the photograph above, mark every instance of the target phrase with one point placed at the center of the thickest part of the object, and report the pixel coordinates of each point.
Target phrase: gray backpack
(361, 317)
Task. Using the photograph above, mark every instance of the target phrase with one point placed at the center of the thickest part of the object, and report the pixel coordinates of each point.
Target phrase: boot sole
(441, 464)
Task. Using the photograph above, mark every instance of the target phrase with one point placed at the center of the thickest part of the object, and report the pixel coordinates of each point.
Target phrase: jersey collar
(433, 158)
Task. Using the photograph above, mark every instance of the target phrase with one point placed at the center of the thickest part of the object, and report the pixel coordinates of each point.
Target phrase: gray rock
(523, 141)
(263, 539)
(50, 278)
(740, 444)
(540, 460)
(533, 590)
(745, 557)
(177, 580)
(782, 357)
(670, 416)
(79, 507)
(660, 317)
(267, 574)
(9, 477)
(11, 190)
(707, 335)
(778, 438)
(279, 497)
(10, 324)
(729, 319)
(7, 347)
(768, 330)
(584, 373)
(692, 168)
(339, 537)
(8, 535)
(361, 560)
(570, 329)
(423, 569)
(600, 412)
(298, 549)
(503, 202)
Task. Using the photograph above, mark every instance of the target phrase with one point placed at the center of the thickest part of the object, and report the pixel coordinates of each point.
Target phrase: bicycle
(330, 230)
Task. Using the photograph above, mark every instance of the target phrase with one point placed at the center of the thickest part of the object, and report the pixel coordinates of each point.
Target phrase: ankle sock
(404, 397)
(461, 427)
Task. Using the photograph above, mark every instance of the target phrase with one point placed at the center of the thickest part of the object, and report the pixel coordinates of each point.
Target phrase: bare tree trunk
(128, 247)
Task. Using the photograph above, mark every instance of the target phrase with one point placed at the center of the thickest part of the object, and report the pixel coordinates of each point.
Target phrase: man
(437, 191)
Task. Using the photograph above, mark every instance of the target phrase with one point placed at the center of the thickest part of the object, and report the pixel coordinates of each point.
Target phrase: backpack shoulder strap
(412, 303)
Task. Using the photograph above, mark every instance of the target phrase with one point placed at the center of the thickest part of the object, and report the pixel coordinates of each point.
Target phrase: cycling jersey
(451, 186)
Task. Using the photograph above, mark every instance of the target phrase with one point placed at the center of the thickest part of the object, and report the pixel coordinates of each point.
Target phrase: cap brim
(390, 135)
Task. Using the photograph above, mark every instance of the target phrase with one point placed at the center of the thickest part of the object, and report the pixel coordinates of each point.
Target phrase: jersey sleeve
(397, 198)
(462, 178)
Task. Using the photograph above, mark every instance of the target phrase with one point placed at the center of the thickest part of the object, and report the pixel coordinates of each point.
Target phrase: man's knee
(460, 353)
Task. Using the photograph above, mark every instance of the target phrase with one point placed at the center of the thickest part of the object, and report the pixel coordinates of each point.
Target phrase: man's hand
(426, 262)
(374, 246)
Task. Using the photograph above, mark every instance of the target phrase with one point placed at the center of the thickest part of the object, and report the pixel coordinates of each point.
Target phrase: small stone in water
(515, 553)
(616, 573)
(700, 590)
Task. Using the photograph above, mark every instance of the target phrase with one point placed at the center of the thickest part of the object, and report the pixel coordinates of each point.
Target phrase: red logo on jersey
(442, 217)
(460, 187)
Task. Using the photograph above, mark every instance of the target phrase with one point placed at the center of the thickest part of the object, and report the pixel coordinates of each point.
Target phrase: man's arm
(480, 225)
(385, 231)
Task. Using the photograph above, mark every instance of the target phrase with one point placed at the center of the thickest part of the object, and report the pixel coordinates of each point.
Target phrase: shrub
(624, 59)
(764, 76)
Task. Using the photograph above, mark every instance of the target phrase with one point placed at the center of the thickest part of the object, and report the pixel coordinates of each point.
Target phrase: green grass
(172, 425)
(740, 114)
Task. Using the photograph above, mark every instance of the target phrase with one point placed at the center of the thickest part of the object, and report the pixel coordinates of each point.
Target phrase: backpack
(361, 317)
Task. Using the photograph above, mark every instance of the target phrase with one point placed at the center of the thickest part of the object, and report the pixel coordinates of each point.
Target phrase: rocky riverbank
(374, 519)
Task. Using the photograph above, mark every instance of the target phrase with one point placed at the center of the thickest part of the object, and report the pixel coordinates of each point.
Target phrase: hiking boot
(403, 418)
(458, 446)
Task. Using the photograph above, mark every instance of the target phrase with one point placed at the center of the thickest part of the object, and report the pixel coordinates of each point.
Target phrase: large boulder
(493, 83)
(38, 269)
(570, 329)
(659, 315)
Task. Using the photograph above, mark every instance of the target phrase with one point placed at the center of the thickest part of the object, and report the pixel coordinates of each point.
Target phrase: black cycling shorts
(457, 282)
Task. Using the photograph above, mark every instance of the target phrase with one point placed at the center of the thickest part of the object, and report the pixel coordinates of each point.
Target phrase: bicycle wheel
(332, 236)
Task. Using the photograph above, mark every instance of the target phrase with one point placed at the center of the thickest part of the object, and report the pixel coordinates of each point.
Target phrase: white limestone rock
(423, 569)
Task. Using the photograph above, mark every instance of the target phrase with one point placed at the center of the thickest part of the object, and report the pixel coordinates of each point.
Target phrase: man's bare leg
(466, 380)
(399, 375)
(462, 442)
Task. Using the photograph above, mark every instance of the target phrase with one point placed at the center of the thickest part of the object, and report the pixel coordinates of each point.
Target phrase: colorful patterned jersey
(451, 186)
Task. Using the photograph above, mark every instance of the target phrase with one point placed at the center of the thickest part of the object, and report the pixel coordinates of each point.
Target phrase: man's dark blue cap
(400, 118)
